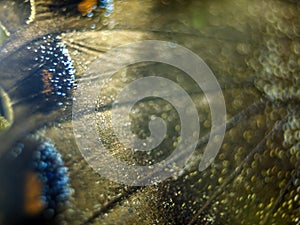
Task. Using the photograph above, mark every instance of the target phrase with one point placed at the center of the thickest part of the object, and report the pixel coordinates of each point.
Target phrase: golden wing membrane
(255, 177)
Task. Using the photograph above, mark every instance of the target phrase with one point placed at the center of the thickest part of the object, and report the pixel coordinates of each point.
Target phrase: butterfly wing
(254, 178)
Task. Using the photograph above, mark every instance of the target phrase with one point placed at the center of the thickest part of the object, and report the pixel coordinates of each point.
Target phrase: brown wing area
(33, 203)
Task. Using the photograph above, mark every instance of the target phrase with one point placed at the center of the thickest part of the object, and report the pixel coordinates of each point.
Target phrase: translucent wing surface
(253, 49)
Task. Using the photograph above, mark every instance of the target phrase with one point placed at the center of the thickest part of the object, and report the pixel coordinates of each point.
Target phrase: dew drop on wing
(43, 76)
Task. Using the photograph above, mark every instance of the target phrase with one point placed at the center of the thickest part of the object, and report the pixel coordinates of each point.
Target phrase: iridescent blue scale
(54, 57)
(39, 157)
(52, 172)
(108, 5)
(48, 70)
